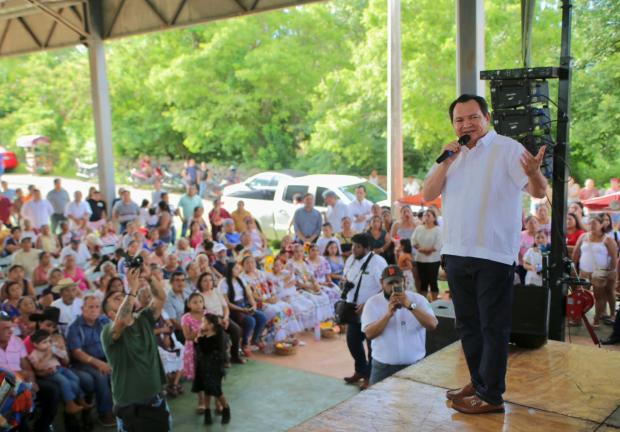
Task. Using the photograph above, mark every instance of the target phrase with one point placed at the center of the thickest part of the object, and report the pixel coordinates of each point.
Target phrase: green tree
(244, 94)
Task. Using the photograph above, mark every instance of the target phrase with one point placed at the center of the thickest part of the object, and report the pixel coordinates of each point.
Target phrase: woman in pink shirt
(75, 273)
(526, 242)
(195, 234)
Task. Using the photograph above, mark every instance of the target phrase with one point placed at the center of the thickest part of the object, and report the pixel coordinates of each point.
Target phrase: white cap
(218, 247)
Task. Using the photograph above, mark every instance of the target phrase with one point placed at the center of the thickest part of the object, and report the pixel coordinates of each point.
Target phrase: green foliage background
(306, 87)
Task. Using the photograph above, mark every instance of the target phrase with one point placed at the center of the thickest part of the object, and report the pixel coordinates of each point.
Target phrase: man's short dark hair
(15, 267)
(177, 274)
(362, 187)
(482, 103)
(361, 239)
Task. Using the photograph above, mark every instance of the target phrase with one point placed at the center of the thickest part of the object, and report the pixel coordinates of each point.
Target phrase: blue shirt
(307, 223)
(87, 338)
(175, 305)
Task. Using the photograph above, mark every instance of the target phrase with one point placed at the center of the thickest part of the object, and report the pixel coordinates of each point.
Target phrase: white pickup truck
(274, 209)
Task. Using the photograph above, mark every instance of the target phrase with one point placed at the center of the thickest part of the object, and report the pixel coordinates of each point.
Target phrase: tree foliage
(306, 87)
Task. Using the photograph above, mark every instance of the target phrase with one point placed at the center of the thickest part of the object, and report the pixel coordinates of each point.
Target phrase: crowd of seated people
(64, 278)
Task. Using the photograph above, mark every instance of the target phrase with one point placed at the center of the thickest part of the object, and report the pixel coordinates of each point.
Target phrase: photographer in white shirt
(395, 321)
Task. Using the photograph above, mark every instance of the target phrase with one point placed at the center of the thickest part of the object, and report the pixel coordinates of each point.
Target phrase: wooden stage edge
(558, 387)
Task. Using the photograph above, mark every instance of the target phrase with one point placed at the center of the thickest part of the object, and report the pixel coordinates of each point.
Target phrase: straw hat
(62, 284)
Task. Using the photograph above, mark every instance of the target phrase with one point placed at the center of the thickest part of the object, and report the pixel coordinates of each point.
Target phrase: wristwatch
(412, 307)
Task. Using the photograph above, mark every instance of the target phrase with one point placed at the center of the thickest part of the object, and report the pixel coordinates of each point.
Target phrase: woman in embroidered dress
(278, 312)
(307, 284)
(321, 268)
(284, 283)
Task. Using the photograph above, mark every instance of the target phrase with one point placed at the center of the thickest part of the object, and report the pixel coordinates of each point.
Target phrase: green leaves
(306, 87)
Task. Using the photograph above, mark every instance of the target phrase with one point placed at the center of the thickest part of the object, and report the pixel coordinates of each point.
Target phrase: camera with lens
(398, 288)
(348, 286)
(134, 262)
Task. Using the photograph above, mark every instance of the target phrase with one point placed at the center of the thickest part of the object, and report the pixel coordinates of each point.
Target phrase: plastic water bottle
(317, 332)
(269, 343)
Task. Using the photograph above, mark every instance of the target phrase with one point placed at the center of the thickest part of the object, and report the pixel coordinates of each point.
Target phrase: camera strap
(359, 281)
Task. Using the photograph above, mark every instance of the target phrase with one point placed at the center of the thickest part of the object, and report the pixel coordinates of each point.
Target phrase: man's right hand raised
(133, 280)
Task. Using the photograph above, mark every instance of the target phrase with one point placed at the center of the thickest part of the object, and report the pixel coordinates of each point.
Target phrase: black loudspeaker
(530, 316)
(445, 333)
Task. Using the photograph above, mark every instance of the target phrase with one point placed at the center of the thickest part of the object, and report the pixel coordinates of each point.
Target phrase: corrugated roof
(36, 25)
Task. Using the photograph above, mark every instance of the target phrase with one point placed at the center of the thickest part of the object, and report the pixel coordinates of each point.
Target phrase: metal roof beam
(56, 16)
(178, 12)
(76, 12)
(116, 14)
(241, 5)
(52, 30)
(157, 12)
(4, 33)
(11, 13)
(30, 32)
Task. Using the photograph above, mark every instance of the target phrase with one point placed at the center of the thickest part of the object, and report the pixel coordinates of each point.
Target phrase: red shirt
(5, 209)
(571, 239)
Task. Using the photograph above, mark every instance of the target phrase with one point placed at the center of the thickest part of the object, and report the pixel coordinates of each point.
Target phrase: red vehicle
(9, 160)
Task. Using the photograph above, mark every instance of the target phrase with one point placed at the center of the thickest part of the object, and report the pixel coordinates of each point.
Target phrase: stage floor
(559, 387)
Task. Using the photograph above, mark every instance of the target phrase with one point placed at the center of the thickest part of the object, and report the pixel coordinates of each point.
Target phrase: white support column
(395, 105)
(103, 117)
(469, 46)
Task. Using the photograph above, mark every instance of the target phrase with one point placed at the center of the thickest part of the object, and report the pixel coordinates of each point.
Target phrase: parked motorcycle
(171, 181)
(140, 178)
(85, 170)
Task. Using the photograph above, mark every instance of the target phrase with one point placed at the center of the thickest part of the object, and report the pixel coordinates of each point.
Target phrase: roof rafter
(156, 12)
(4, 33)
(52, 30)
(76, 12)
(178, 12)
(56, 16)
(241, 5)
(34, 37)
(116, 14)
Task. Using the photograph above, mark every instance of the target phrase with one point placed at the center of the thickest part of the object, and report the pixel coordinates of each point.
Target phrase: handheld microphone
(446, 154)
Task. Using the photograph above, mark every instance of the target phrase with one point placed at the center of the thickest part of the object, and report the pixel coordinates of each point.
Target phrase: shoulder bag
(344, 312)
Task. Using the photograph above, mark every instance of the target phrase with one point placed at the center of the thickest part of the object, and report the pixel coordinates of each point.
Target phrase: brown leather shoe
(475, 405)
(353, 378)
(365, 384)
(468, 390)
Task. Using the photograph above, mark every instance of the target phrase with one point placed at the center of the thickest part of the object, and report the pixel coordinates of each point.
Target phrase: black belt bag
(344, 311)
